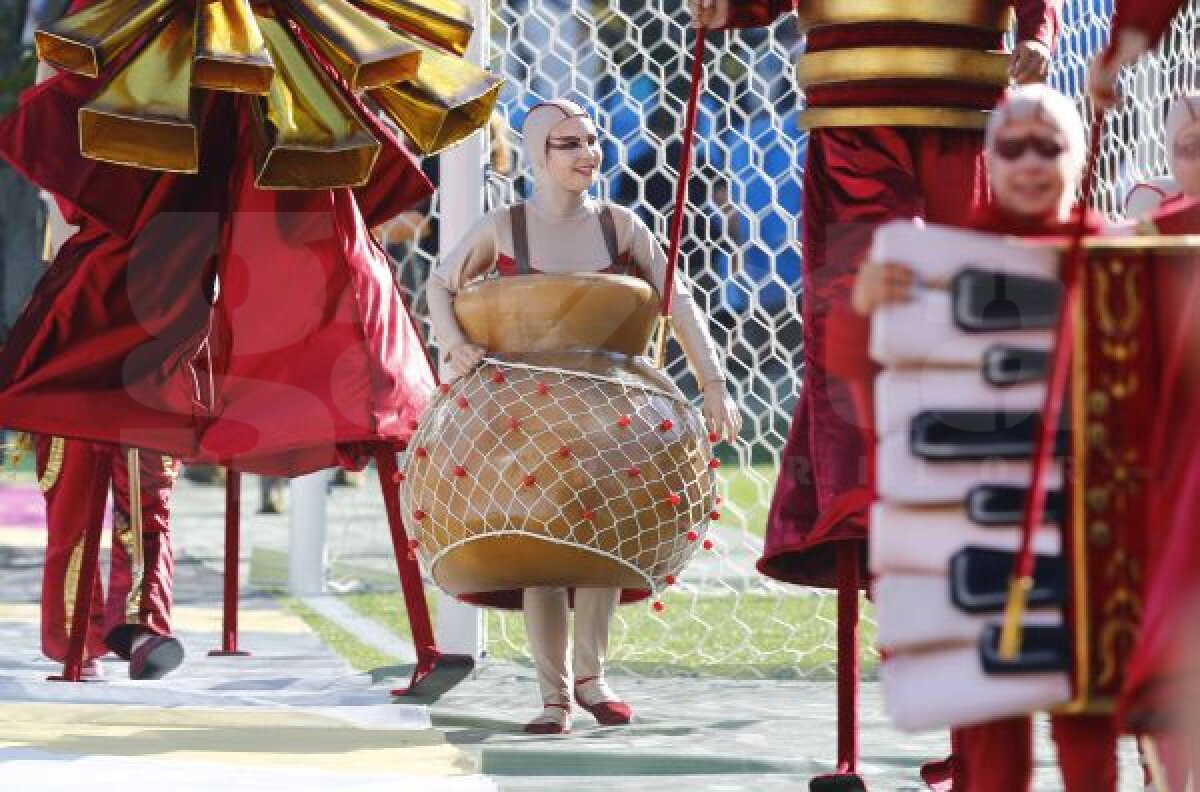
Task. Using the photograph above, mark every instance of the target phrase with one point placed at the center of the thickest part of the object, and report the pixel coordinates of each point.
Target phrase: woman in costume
(1035, 155)
(561, 229)
(1182, 136)
(1159, 699)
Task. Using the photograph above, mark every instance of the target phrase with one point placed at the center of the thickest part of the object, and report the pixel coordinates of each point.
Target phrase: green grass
(753, 635)
(749, 635)
(748, 496)
(360, 656)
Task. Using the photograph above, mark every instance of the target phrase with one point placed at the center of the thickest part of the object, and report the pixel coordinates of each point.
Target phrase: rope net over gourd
(579, 452)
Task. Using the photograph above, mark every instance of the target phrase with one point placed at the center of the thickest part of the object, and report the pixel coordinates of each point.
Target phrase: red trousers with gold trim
(76, 477)
(998, 756)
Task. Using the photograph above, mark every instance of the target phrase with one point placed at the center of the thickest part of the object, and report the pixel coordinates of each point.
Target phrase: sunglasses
(1015, 148)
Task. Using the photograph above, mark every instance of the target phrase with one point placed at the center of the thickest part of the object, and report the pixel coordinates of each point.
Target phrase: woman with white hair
(1035, 150)
(561, 229)
(1159, 700)
(1182, 136)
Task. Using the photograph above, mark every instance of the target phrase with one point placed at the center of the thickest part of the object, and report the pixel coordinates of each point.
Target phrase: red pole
(847, 658)
(233, 535)
(409, 570)
(845, 777)
(685, 168)
(1072, 274)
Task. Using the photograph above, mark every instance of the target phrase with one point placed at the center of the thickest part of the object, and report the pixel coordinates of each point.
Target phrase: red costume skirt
(855, 179)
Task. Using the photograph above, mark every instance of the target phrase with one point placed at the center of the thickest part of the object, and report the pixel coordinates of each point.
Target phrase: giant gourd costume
(565, 459)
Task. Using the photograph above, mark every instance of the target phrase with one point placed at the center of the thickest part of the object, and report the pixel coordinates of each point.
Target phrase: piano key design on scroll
(956, 412)
(956, 407)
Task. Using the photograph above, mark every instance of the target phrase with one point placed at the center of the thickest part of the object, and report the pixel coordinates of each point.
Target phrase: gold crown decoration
(404, 56)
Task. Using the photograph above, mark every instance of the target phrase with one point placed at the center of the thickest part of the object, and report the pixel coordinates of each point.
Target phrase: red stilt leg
(233, 536)
(419, 622)
(846, 776)
(847, 682)
(89, 568)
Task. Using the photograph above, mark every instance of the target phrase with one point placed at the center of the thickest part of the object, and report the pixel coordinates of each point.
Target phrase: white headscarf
(1184, 111)
(536, 129)
(1040, 102)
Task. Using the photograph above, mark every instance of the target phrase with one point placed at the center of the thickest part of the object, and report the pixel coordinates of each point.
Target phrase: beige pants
(547, 624)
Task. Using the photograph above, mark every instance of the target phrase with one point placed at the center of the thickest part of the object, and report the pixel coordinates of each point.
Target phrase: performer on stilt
(890, 137)
(222, 300)
(241, 324)
(897, 95)
(1035, 153)
(561, 230)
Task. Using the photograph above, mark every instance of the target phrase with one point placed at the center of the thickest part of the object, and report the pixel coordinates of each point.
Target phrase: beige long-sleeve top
(569, 241)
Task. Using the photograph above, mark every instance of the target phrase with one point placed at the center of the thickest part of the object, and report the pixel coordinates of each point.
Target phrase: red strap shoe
(555, 719)
(595, 696)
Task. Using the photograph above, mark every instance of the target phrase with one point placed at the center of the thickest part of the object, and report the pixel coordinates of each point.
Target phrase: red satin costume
(204, 318)
(856, 178)
(1161, 688)
(75, 477)
(1151, 17)
(1160, 681)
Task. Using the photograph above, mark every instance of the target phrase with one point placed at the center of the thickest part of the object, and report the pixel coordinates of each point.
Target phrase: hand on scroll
(880, 283)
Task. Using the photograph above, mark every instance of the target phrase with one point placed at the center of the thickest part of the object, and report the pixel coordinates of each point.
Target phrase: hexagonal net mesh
(609, 465)
(627, 62)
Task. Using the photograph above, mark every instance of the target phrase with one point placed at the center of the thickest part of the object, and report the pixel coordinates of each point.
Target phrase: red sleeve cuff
(1039, 20)
(757, 13)
(1152, 17)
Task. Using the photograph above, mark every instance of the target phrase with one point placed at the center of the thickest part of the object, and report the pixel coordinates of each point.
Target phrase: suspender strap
(609, 229)
(520, 237)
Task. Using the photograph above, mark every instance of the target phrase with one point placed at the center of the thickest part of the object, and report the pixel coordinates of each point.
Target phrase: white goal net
(628, 62)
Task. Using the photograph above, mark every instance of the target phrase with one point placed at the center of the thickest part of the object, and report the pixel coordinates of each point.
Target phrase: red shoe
(939, 775)
(595, 696)
(555, 719)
